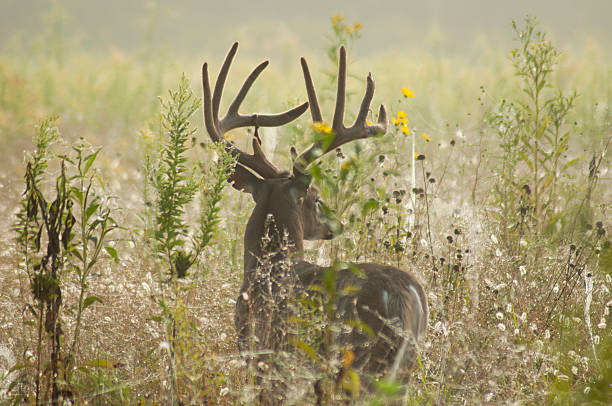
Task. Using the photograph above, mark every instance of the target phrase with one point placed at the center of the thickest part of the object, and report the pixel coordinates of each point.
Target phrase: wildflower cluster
(322, 128)
(342, 34)
(402, 122)
(339, 26)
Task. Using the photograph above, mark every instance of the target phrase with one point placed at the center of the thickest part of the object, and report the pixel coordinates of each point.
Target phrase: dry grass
(492, 338)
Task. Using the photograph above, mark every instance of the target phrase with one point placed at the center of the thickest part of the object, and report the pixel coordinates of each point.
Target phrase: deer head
(287, 196)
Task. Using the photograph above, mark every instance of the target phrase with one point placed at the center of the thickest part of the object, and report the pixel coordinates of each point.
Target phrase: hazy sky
(187, 26)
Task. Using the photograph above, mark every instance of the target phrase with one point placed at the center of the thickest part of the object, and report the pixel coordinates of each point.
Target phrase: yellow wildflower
(357, 27)
(348, 30)
(407, 92)
(405, 129)
(512, 52)
(400, 119)
(425, 136)
(227, 137)
(336, 19)
(368, 122)
(322, 128)
(416, 155)
(349, 357)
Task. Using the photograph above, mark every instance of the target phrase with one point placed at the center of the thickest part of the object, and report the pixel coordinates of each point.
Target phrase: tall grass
(527, 321)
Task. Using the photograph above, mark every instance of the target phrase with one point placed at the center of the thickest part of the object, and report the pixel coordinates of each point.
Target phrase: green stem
(536, 149)
(85, 269)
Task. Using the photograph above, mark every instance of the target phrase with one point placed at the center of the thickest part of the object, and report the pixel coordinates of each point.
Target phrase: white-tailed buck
(390, 301)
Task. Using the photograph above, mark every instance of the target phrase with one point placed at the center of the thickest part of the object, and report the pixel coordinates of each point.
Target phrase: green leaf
(548, 138)
(352, 382)
(571, 163)
(357, 271)
(89, 160)
(307, 349)
(542, 128)
(77, 254)
(16, 367)
(93, 207)
(369, 206)
(605, 257)
(101, 363)
(91, 300)
(547, 180)
(78, 193)
(112, 252)
(92, 263)
(388, 387)
(101, 182)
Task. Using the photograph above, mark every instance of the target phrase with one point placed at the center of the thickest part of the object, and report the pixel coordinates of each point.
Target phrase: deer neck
(273, 234)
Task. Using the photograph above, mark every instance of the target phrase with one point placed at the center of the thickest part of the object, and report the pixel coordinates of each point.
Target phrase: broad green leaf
(89, 160)
(112, 252)
(93, 207)
(78, 193)
(369, 206)
(571, 163)
(91, 300)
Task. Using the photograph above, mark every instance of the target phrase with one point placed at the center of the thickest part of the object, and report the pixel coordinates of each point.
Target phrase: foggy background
(192, 28)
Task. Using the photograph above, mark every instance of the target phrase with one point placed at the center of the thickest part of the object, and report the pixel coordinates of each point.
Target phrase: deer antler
(233, 119)
(342, 135)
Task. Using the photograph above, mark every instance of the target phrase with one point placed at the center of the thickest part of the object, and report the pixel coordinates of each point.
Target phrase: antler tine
(315, 110)
(361, 129)
(246, 86)
(217, 128)
(365, 103)
(338, 123)
(342, 135)
(216, 100)
(233, 119)
(209, 119)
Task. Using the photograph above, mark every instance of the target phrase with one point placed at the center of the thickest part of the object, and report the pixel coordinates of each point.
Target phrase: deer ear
(300, 175)
(299, 187)
(244, 181)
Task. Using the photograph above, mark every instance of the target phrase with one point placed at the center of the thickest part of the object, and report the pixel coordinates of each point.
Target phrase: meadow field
(507, 226)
